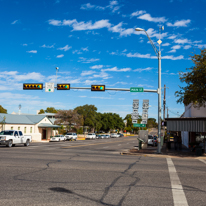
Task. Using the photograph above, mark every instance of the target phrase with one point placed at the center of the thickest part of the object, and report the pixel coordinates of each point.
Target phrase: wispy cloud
(115, 69)
(85, 73)
(60, 55)
(181, 23)
(32, 51)
(137, 13)
(141, 70)
(65, 48)
(148, 17)
(15, 22)
(96, 67)
(182, 41)
(85, 60)
(47, 46)
(25, 44)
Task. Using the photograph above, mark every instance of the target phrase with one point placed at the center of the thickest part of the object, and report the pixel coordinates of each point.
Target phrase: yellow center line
(94, 144)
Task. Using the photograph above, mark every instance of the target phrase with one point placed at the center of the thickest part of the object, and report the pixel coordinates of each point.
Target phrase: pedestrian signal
(98, 88)
(63, 86)
(33, 86)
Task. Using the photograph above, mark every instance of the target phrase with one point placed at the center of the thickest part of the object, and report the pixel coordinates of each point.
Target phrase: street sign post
(136, 89)
(49, 87)
(139, 125)
(134, 121)
(135, 116)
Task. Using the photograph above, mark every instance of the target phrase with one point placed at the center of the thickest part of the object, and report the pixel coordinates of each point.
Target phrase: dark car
(121, 135)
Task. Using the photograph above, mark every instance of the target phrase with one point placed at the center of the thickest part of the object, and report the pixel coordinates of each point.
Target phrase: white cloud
(87, 6)
(25, 44)
(85, 60)
(172, 36)
(140, 70)
(15, 22)
(182, 41)
(45, 46)
(102, 75)
(137, 13)
(96, 67)
(173, 58)
(187, 47)
(55, 22)
(176, 47)
(181, 23)
(166, 44)
(115, 69)
(65, 48)
(60, 55)
(85, 73)
(172, 51)
(32, 51)
(148, 17)
(85, 49)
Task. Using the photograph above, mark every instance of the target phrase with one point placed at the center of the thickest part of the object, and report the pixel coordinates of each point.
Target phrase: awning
(47, 125)
(195, 124)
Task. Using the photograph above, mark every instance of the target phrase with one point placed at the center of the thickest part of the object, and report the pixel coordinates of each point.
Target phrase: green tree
(88, 113)
(195, 80)
(2, 110)
(51, 110)
(41, 111)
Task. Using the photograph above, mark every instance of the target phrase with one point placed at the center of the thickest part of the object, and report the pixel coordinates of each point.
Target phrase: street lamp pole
(158, 54)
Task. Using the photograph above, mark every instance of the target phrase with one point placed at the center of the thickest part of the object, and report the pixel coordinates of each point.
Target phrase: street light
(158, 54)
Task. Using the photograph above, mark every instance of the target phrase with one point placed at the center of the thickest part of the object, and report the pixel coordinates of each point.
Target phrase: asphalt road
(93, 172)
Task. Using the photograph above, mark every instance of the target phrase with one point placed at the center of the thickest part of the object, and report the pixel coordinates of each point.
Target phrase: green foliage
(2, 110)
(48, 110)
(195, 80)
(80, 130)
(41, 111)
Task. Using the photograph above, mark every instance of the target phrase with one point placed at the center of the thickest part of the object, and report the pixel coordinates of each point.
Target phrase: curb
(161, 155)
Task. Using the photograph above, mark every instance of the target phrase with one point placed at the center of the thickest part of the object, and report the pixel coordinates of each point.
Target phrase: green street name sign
(136, 89)
(139, 125)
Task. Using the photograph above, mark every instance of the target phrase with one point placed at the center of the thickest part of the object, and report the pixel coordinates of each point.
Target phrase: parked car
(91, 136)
(107, 136)
(121, 135)
(71, 136)
(12, 137)
(58, 138)
(114, 135)
(98, 136)
(152, 140)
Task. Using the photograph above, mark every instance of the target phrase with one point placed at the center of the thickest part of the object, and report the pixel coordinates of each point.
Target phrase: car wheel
(13, 145)
(9, 144)
(27, 143)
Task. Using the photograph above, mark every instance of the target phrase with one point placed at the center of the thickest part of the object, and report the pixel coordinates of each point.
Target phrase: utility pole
(164, 102)
(167, 113)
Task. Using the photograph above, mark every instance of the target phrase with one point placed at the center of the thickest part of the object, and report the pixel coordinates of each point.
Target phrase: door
(16, 139)
(43, 134)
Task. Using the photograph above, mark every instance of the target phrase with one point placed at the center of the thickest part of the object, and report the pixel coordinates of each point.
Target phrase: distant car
(58, 138)
(98, 136)
(114, 135)
(152, 140)
(103, 136)
(71, 136)
(91, 136)
(107, 136)
(121, 135)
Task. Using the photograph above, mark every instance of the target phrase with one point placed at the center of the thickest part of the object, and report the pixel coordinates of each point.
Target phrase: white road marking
(203, 161)
(177, 190)
(105, 147)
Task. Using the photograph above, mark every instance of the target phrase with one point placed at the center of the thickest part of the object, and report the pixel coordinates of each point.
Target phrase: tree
(88, 113)
(2, 110)
(41, 111)
(195, 79)
(51, 110)
(68, 117)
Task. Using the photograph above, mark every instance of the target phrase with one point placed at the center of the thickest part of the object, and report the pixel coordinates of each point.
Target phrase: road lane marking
(177, 189)
(202, 161)
(105, 147)
(95, 144)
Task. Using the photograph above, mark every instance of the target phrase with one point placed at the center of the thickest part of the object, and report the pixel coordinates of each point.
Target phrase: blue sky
(95, 42)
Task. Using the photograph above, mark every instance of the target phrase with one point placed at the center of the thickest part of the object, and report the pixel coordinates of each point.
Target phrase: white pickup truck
(12, 137)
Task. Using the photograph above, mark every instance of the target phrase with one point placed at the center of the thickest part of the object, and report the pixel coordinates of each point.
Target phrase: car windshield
(6, 133)
(69, 134)
(90, 134)
(150, 137)
(57, 135)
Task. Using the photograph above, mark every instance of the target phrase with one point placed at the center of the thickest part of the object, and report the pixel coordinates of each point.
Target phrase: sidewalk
(152, 152)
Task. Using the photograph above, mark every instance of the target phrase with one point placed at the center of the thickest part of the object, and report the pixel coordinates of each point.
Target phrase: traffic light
(33, 86)
(63, 86)
(99, 88)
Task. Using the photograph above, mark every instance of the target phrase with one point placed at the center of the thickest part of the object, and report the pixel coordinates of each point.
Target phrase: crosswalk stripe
(202, 161)
(177, 189)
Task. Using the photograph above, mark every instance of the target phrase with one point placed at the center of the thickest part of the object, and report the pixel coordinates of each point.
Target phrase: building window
(12, 128)
(30, 129)
(24, 129)
(18, 128)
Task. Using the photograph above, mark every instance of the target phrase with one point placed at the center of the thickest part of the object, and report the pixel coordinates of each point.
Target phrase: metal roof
(195, 124)
(21, 119)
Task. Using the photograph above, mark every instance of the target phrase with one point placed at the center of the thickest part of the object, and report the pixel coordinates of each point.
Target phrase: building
(191, 125)
(40, 127)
